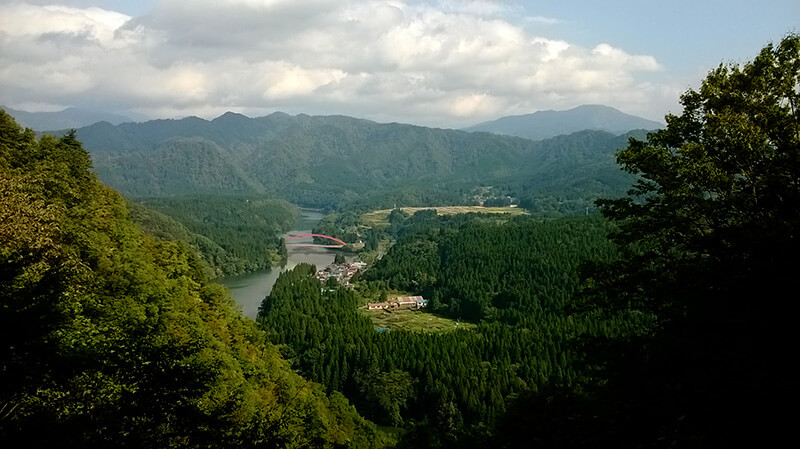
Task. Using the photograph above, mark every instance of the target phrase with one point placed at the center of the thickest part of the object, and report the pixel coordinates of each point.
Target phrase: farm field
(378, 217)
(414, 320)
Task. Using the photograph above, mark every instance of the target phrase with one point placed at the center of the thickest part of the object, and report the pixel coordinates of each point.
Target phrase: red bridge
(321, 236)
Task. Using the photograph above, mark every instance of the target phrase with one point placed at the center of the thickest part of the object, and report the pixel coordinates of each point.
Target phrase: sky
(448, 63)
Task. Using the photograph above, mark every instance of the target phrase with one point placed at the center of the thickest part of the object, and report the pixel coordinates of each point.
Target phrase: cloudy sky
(447, 63)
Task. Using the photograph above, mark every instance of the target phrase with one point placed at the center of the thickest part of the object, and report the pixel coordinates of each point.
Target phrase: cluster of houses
(342, 272)
(400, 302)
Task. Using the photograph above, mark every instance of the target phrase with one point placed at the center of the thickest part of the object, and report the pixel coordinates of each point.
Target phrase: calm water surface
(250, 289)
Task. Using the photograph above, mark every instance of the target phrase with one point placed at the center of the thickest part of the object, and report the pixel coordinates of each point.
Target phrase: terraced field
(414, 320)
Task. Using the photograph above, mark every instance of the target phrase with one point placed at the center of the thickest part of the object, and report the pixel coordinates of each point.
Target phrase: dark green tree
(388, 393)
(396, 217)
(708, 235)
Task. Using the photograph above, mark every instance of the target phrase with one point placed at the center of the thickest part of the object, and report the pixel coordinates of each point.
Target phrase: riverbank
(250, 289)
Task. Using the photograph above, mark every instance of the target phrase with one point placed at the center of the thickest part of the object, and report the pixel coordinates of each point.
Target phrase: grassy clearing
(414, 320)
(378, 217)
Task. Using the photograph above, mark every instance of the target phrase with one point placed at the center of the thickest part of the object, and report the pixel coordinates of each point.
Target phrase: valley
(327, 281)
(250, 289)
(379, 217)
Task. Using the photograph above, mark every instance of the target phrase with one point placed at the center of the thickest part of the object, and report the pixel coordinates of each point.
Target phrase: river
(248, 290)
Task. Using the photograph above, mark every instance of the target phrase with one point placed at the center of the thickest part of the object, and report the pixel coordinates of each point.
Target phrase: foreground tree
(708, 236)
(111, 338)
(707, 239)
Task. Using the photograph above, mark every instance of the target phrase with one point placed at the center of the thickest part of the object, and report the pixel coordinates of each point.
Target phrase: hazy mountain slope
(578, 163)
(545, 124)
(67, 119)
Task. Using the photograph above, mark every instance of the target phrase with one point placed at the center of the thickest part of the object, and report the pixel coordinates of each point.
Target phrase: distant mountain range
(328, 161)
(67, 119)
(546, 124)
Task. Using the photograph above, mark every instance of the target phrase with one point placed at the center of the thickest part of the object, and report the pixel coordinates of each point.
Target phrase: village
(341, 272)
(409, 313)
(395, 312)
(400, 302)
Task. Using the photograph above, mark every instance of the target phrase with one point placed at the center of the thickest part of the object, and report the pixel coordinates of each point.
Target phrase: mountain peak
(231, 116)
(549, 123)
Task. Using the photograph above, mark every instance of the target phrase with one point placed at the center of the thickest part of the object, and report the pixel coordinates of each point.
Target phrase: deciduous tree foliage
(709, 236)
(110, 338)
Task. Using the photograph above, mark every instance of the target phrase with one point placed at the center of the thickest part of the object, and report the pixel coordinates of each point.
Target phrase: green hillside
(111, 338)
(333, 161)
(234, 234)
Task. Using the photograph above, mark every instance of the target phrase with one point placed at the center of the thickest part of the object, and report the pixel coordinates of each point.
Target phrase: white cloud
(541, 19)
(29, 20)
(293, 81)
(447, 64)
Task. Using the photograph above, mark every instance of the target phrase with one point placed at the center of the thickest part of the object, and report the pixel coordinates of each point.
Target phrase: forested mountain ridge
(327, 161)
(110, 338)
(546, 124)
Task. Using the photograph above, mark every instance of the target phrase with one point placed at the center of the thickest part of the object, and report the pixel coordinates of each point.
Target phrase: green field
(378, 217)
(414, 320)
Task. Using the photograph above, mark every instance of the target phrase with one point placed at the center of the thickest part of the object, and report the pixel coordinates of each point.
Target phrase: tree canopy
(111, 338)
(708, 236)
